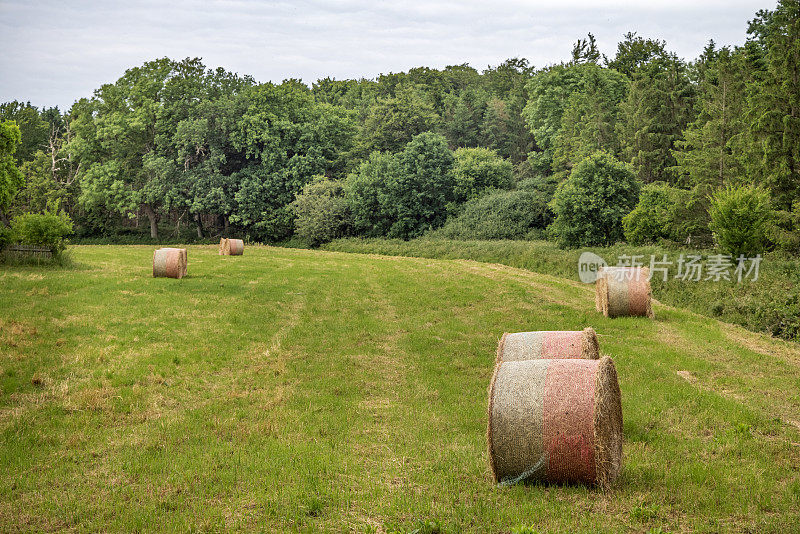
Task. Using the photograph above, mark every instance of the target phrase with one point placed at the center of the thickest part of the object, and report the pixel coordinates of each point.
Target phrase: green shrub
(321, 212)
(6, 237)
(785, 233)
(424, 188)
(590, 204)
(664, 213)
(500, 215)
(47, 229)
(528, 178)
(741, 219)
(366, 193)
(476, 170)
(545, 185)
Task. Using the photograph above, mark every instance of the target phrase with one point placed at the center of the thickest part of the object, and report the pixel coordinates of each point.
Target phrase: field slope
(324, 391)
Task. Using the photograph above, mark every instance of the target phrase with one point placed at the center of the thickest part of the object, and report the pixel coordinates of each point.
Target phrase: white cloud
(61, 51)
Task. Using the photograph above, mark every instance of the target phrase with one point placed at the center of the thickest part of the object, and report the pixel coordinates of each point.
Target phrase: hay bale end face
(170, 262)
(549, 344)
(624, 291)
(231, 247)
(558, 421)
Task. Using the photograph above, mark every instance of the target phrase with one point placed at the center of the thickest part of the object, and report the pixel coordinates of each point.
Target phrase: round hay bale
(557, 421)
(236, 247)
(548, 344)
(170, 262)
(231, 247)
(624, 291)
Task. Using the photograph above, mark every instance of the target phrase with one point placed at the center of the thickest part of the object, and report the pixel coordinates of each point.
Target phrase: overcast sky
(55, 52)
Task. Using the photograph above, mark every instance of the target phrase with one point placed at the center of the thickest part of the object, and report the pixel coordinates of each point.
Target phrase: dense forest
(643, 146)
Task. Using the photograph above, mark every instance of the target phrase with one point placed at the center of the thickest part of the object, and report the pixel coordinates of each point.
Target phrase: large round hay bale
(623, 291)
(548, 344)
(555, 421)
(170, 262)
(236, 247)
(231, 247)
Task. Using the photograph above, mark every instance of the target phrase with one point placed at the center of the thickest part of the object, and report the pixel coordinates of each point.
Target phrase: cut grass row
(770, 305)
(296, 390)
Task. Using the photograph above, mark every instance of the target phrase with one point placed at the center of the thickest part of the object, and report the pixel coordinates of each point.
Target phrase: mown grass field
(770, 304)
(296, 390)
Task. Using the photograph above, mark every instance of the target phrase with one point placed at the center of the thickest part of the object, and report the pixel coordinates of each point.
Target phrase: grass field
(296, 390)
(768, 305)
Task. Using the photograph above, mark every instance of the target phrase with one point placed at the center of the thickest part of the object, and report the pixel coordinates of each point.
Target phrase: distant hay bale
(555, 421)
(231, 247)
(623, 291)
(549, 344)
(170, 262)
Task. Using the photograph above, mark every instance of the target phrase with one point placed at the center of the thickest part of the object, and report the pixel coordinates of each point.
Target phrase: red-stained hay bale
(555, 421)
(623, 291)
(170, 262)
(549, 344)
(231, 247)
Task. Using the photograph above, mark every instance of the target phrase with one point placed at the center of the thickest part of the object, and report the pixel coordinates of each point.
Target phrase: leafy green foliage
(773, 104)
(178, 143)
(741, 219)
(6, 236)
(11, 179)
(292, 139)
(786, 231)
(551, 92)
(662, 214)
(118, 136)
(393, 121)
(321, 212)
(424, 187)
(590, 204)
(47, 229)
(652, 118)
(517, 214)
(590, 119)
(367, 194)
(477, 169)
(635, 53)
(709, 153)
(33, 126)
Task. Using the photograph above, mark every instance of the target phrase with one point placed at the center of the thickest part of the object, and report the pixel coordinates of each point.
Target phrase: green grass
(770, 304)
(296, 390)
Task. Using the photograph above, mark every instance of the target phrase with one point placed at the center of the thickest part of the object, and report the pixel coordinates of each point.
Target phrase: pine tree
(774, 104)
(653, 117)
(706, 157)
(589, 121)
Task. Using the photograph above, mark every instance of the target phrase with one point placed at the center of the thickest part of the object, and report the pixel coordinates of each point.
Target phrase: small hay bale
(624, 291)
(555, 421)
(231, 247)
(170, 262)
(549, 344)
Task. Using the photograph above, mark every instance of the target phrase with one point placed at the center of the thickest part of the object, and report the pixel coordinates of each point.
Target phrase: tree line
(509, 151)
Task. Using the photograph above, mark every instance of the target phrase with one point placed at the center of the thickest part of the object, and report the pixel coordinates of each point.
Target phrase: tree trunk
(153, 216)
(225, 224)
(199, 222)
